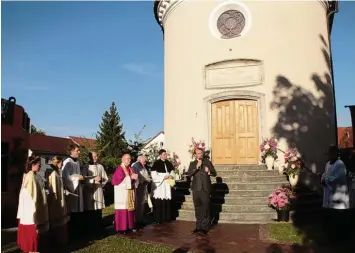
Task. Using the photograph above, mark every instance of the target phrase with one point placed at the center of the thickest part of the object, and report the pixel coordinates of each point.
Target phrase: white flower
(266, 146)
(293, 166)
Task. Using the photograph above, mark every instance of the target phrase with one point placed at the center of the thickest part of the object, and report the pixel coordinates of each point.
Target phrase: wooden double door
(235, 132)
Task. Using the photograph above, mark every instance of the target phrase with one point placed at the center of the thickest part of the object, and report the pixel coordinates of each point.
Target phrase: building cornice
(162, 9)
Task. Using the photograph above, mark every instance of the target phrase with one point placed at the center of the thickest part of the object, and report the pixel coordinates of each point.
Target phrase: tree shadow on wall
(304, 118)
(306, 121)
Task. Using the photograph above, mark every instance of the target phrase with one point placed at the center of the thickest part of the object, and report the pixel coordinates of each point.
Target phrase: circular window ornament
(230, 24)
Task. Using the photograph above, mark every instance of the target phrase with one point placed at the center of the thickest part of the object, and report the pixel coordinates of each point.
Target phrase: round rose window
(230, 24)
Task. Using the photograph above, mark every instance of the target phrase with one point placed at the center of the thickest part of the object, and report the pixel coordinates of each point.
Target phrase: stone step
(189, 215)
(248, 179)
(230, 200)
(240, 167)
(225, 208)
(234, 193)
(269, 186)
(246, 173)
(237, 200)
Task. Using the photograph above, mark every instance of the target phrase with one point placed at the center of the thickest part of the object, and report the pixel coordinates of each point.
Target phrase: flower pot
(293, 179)
(269, 161)
(177, 177)
(283, 215)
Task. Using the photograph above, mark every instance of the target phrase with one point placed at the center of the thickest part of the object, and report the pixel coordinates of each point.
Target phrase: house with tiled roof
(47, 147)
(158, 139)
(83, 142)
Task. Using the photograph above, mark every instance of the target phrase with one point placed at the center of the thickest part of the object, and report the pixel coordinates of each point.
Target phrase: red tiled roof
(84, 141)
(345, 137)
(49, 144)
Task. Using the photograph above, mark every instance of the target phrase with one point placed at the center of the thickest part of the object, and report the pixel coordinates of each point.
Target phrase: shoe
(195, 231)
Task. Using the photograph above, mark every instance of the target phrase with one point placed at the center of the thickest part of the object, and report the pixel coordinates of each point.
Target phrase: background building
(15, 127)
(47, 147)
(240, 71)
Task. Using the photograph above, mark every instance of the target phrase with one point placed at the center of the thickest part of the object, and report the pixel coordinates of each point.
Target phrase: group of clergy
(71, 198)
(131, 191)
(71, 195)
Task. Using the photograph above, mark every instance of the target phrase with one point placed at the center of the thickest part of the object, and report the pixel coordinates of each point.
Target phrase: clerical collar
(74, 159)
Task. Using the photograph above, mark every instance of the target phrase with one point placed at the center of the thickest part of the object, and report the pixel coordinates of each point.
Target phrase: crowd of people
(71, 198)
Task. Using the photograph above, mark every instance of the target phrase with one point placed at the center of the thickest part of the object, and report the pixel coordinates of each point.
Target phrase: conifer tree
(111, 140)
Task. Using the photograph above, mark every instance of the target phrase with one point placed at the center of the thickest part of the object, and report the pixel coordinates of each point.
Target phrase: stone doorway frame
(234, 95)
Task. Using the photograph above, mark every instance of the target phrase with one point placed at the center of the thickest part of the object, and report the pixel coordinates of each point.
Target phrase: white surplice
(161, 190)
(33, 207)
(70, 174)
(93, 193)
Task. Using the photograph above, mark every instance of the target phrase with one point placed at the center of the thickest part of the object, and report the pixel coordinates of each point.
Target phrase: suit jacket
(200, 179)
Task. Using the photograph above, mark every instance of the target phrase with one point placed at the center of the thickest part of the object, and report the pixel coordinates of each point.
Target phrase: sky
(65, 62)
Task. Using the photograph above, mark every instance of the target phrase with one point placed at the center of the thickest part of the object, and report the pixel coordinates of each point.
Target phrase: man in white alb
(73, 184)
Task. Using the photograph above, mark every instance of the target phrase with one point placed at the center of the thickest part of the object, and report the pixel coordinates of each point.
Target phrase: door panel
(235, 132)
(223, 132)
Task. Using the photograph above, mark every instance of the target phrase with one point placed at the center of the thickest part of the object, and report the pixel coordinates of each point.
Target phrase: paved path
(223, 238)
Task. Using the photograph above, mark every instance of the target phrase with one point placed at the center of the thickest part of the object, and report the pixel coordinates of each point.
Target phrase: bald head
(142, 159)
(126, 159)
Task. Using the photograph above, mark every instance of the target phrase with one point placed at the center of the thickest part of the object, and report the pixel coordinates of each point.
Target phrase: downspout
(332, 12)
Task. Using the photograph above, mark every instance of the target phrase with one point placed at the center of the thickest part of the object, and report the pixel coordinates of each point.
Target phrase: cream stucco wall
(289, 38)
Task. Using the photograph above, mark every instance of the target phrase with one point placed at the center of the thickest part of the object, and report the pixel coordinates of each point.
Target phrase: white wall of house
(160, 138)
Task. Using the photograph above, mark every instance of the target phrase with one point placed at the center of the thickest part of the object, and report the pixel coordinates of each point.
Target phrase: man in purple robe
(125, 182)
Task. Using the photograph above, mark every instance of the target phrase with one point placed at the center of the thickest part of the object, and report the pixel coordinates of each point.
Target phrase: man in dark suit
(200, 170)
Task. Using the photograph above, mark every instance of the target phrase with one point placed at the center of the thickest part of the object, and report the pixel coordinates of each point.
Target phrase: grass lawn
(109, 210)
(284, 232)
(113, 244)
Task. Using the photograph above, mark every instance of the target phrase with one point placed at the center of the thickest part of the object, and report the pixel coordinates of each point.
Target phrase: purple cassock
(124, 187)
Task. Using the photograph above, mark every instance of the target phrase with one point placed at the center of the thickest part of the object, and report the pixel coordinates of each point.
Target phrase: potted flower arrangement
(196, 145)
(175, 160)
(268, 149)
(292, 166)
(281, 200)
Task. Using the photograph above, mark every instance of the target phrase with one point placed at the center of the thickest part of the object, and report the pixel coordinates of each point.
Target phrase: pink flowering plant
(281, 198)
(269, 148)
(195, 145)
(292, 164)
(175, 160)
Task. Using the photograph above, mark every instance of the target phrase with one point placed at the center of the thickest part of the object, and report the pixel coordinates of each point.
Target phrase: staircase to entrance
(240, 195)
